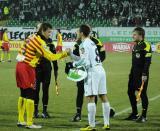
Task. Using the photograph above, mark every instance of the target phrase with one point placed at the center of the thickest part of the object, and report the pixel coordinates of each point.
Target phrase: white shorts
(95, 83)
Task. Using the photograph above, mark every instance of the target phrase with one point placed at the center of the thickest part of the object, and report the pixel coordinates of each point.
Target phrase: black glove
(102, 55)
(69, 66)
(76, 50)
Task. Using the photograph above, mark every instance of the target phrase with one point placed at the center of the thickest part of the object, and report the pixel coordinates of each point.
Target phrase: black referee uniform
(141, 60)
(43, 75)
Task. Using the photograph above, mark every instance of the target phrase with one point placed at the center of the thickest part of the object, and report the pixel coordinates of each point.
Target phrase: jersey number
(98, 60)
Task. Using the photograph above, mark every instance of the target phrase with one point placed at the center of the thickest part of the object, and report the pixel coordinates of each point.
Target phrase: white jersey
(95, 83)
(89, 55)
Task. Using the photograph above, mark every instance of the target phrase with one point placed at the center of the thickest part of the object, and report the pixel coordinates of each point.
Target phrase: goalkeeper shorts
(25, 75)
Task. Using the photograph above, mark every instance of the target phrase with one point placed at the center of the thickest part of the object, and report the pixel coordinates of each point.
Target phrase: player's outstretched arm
(82, 60)
(50, 56)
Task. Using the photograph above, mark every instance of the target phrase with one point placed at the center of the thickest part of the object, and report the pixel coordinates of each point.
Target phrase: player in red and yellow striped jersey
(5, 46)
(34, 47)
(59, 41)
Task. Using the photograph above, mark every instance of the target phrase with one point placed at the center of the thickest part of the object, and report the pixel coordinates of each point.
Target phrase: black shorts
(28, 93)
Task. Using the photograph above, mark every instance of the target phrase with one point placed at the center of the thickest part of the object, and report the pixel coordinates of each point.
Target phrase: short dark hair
(140, 31)
(85, 29)
(5, 29)
(59, 30)
(44, 27)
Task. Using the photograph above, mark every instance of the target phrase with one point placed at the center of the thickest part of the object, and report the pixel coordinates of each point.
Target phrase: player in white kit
(95, 83)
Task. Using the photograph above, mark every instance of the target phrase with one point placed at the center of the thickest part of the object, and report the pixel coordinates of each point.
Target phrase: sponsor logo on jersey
(138, 55)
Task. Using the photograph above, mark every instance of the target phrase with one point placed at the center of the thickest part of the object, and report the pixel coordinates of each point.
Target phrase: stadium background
(112, 21)
(22, 16)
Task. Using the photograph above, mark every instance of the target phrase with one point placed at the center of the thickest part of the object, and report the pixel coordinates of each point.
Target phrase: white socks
(91, 114)
(106, 112)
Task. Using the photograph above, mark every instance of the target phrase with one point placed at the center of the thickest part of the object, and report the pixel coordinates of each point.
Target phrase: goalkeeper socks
(21, 109)
(106, 112)
(30, 111)
(91, 114)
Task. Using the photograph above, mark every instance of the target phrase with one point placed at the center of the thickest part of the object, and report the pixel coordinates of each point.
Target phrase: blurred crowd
(118, 12)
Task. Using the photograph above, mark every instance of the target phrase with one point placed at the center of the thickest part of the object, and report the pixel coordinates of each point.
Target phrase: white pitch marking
(129, 108)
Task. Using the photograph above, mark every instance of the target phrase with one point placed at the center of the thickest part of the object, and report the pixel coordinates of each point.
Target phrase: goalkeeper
(28, 56)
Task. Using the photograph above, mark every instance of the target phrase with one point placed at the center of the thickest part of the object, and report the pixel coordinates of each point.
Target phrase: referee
(43, 75)
(141, 60)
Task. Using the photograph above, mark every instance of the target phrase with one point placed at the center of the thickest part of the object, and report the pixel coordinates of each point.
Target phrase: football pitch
(62, 107)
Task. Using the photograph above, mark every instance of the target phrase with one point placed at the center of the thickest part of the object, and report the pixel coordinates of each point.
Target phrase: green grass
(62, 107)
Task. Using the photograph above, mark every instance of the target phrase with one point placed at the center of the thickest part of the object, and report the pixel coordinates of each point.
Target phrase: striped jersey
(34, 48)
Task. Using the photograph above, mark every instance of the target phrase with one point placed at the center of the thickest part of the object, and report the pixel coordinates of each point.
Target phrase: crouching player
(34, 47)
(95, 83)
